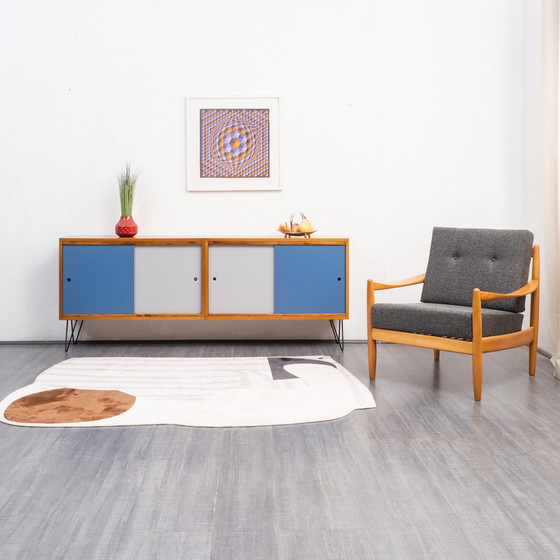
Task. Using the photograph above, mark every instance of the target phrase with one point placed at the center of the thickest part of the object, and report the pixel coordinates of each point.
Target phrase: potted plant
(126, 226)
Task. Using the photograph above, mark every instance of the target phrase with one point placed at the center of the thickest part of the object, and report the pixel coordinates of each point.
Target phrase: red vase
(126, 227)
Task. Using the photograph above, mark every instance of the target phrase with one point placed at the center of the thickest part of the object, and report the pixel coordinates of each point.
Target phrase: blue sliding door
(310, 279)
(98, 280)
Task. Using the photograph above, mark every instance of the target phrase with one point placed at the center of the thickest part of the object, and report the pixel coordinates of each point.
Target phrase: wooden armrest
(400, 284)
(529, 288)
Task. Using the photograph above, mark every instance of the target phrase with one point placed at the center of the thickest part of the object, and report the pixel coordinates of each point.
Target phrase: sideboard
(202, 279)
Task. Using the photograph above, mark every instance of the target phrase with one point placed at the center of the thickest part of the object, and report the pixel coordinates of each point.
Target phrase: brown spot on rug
(68, 405)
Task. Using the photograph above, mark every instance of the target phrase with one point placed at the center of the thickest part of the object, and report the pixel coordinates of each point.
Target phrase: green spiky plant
(127, 184)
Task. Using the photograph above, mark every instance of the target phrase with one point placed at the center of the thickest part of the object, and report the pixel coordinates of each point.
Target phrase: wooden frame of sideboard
(205, 243)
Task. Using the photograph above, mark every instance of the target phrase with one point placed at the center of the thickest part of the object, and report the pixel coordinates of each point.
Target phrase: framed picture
(232, 144)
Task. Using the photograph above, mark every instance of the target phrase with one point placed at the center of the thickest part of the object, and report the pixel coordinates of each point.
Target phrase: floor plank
(427, 474)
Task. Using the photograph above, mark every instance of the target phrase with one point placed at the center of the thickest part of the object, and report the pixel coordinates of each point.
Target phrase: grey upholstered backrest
(493, 260)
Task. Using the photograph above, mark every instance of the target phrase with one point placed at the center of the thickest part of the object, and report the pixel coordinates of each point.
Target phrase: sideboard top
(179, 240)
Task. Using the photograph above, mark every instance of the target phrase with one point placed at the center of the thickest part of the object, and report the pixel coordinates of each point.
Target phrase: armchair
(472, 301)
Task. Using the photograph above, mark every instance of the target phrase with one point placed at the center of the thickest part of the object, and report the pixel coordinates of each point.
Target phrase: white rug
(212, 392)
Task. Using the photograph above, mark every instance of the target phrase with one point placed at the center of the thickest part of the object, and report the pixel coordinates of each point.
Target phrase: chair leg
(477, 344)
(532, 357)
(436, 355)
(372, 357)
(477, 374)
(535, 298)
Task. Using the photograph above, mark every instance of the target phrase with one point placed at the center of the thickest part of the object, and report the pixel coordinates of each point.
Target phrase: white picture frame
(219, 161)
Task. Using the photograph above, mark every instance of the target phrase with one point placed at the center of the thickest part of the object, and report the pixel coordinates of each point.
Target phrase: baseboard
(189, 341)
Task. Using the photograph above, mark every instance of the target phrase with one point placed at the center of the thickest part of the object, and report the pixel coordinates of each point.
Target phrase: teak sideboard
(202, 278)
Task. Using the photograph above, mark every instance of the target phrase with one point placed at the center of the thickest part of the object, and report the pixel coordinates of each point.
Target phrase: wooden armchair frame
(479, 344)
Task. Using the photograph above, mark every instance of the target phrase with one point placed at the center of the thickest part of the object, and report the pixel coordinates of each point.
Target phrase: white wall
(533, 179)
(395, 117)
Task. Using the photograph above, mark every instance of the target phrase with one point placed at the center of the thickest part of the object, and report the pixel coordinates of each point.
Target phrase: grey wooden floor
(427, 474)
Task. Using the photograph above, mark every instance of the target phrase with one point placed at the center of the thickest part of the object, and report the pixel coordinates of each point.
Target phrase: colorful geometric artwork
(234, 143)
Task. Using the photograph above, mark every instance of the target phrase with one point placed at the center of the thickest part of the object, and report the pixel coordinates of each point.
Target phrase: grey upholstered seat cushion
(437, 319)
(488, 259)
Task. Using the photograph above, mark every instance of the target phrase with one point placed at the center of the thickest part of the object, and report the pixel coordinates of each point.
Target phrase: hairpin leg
(74, 334)
(338, 334)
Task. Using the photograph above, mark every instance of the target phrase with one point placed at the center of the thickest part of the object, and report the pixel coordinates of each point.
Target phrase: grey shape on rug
(277, 366)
